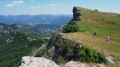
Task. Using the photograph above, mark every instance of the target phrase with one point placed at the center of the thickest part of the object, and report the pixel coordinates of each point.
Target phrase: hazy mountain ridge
(35, 19)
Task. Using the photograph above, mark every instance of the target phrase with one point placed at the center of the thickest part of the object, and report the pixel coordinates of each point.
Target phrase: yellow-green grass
(104, 24)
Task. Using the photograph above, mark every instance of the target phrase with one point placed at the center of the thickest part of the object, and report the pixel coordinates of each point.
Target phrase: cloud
(35, 7)
(9, 5)
(52, 5)
(32, 1)
(17, 2)
(14, 3)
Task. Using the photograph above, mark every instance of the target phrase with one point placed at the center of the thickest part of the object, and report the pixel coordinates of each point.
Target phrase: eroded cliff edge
(62, 48)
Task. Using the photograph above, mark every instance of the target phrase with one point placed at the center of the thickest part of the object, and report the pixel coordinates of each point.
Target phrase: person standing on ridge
(108, 38)
(95, 33)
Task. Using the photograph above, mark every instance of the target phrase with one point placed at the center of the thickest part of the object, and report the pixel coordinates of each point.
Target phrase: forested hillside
(15, 45)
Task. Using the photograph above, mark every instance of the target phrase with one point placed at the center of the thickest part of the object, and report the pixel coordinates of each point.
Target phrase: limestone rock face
(28, 61)
(76, 14)
(59, 47)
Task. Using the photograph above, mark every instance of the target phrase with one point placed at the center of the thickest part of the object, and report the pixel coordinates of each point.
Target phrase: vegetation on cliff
(66, 49)
(70, 27)
(90, 55)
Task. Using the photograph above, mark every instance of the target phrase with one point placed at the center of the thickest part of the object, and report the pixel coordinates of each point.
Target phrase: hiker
(95, 33)
(108, 38)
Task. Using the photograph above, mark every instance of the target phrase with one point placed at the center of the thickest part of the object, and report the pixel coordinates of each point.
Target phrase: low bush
(70, 27)
(61, 61)
(119, 15)
(79, 19)
(90, 55)
(96, 9)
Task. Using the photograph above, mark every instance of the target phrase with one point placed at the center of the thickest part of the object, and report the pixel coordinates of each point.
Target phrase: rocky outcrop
(77, 14)
(79, 64)
(110, 59)
(75, 64)
(28, 61)
(61, 45)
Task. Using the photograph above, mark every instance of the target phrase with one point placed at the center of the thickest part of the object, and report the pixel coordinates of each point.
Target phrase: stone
(110, 59)
(28, 61)
(75, 64)
(79, 64)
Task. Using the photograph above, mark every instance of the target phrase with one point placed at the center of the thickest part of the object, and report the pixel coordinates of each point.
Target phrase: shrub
(90, 55)
(71, 27)
(61, 61)
(96, 9)
(119, 15)
(79, 19)
(78, 14)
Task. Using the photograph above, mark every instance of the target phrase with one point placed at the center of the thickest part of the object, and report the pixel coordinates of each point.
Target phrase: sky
(37, 7)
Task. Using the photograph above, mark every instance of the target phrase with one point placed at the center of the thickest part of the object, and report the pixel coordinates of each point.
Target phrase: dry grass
(98, 43)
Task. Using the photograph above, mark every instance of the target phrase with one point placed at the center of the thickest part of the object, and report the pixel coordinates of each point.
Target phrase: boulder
(75, 64)
(28, 61)
(110, 59)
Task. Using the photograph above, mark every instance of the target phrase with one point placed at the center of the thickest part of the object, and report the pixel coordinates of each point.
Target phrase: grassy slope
(104, 24)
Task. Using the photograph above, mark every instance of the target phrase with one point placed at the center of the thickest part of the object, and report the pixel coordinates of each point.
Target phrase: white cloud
(32, 1)
(52, 5)
(9, 5)
(14, 3)
(17, 2)
(35, 7)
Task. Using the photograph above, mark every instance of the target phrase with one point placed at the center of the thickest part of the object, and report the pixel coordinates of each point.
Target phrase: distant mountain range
(44, 25)
(41, 29)
(35, 19)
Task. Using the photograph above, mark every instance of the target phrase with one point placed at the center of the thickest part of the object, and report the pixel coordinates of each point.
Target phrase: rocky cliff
(76, 13)
(60, 45)
(63, 47)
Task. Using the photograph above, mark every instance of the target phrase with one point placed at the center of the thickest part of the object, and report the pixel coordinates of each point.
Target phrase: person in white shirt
(108, 38)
